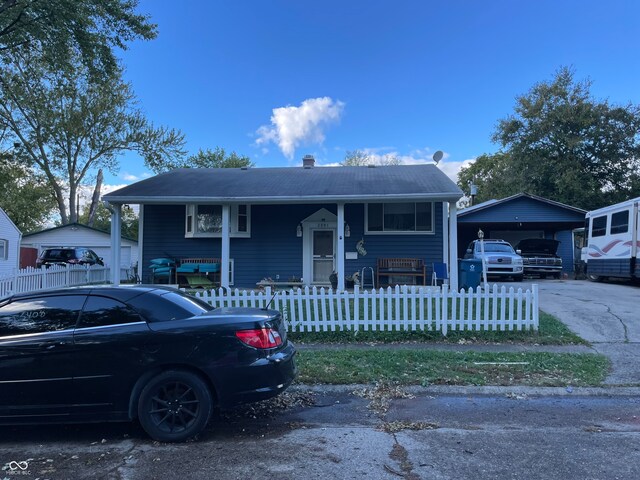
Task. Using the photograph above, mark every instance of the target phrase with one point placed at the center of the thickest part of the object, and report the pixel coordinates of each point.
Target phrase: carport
(522, 216)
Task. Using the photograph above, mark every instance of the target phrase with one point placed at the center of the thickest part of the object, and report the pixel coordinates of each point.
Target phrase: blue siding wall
(427, 247)
(523, 210)
(274, 249)
(565, 249)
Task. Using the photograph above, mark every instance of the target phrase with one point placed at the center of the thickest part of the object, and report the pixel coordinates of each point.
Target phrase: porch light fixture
(347, 230)
(299, 230)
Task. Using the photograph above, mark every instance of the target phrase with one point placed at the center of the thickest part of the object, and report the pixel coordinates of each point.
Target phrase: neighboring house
(522, 216)
(78, 235)
(9, 245)
(296, 222)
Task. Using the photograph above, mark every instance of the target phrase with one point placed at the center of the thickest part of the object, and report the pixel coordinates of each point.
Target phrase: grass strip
(430, 367)
(551, 332)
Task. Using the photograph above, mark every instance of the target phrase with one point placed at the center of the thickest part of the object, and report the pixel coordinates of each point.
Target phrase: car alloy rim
(174, 407)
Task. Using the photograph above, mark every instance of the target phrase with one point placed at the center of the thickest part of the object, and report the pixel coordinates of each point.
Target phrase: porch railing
(403, 308)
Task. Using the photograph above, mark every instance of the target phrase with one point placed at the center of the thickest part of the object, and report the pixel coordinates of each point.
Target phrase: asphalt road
(334, 434)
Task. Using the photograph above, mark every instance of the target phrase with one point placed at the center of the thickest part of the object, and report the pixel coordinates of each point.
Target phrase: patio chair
(440, 274)
(162, 270)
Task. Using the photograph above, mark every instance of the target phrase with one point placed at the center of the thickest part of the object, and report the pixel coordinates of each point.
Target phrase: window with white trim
(4, 249)
(399, 217)
(206, 221)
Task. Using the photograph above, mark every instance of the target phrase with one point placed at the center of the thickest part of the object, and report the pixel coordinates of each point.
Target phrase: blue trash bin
(470, 273)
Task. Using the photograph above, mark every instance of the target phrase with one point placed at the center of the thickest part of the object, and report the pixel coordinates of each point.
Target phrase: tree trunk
(95, 199)
(73, 201)
(58, 195)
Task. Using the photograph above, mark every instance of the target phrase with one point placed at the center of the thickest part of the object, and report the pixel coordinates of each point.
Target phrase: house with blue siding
(301, 223)
(519, 217)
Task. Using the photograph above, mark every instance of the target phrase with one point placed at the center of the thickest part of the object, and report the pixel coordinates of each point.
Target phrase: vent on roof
(244, 168)
(371, 166)
(308, 161)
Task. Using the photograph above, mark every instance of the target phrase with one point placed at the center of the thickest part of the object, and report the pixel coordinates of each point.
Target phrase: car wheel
(557, 276)
(174, 406)
(595, 278)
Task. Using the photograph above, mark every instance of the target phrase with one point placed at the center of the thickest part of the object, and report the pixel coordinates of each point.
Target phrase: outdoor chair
(440, 274)
(162, 270)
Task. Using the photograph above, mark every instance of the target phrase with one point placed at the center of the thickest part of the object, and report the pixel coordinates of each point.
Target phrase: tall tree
(102, 220)
(24, 195)
(59, 29)
(489, 174)
(69, 124)
(361, 158)
(217, 158)
(562, 144)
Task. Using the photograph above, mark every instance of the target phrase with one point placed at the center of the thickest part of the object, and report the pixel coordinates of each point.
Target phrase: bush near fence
(403, 308)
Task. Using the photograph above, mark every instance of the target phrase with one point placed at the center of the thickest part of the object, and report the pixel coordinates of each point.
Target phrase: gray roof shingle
(288, 184)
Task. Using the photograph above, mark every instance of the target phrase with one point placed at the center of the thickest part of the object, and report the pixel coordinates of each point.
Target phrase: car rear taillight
(260, 337)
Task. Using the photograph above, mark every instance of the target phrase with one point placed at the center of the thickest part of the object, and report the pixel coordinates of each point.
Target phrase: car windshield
(496, 247)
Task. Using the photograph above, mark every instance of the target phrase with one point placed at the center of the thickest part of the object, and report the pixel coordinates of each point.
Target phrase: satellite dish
(438, 156)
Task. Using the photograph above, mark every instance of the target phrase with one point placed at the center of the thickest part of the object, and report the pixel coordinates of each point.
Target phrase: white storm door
(322, 248)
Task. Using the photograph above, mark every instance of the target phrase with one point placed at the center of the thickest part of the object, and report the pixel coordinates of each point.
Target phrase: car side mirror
(468, 250)
(519, 252)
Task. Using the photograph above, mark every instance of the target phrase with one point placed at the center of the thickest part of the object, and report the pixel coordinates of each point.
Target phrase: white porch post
(226, 246)
(445, 232)
(453, 246)
(340, 252)
(116, 233)
(140, 242)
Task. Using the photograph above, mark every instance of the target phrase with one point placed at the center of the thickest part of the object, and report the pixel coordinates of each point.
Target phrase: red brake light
(260, 337)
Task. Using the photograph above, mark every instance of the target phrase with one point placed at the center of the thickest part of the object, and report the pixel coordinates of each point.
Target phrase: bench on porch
(198, 272)
(405, 268)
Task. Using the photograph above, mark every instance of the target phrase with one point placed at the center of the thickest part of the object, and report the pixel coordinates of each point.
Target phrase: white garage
(77, 235)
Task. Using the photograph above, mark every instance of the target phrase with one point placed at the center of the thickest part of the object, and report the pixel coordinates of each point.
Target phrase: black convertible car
(145, 352)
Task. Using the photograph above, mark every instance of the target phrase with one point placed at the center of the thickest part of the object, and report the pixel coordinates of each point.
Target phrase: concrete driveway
(605, 314)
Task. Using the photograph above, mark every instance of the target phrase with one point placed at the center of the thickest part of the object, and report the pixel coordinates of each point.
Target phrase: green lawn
(427, 367)
(551, 332)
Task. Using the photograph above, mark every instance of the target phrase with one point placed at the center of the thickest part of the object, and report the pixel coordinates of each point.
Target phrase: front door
(323, 255)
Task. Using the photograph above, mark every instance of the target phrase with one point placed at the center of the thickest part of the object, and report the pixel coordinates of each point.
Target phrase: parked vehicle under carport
(540, 257)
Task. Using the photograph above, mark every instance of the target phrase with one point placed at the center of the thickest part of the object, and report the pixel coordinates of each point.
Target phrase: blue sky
(276, 80)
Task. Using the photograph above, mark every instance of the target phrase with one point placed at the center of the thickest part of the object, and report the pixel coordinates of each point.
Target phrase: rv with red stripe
(613, 241)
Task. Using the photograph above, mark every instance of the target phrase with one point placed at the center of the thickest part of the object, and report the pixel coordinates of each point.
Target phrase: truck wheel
(594, 278)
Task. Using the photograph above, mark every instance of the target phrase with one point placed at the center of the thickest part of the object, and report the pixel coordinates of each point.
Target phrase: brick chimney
(308, 161)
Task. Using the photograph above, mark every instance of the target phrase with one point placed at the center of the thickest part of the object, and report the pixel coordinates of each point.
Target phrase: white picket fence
(403, 308)
(31, 279)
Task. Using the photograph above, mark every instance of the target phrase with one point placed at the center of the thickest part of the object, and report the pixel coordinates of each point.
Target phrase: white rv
(612, 241)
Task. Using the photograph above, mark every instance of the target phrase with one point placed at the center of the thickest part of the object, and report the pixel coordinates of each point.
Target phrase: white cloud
(129, 177)
(292, 127)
